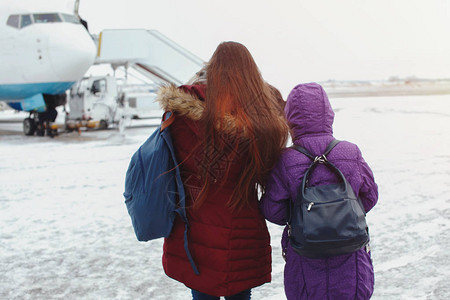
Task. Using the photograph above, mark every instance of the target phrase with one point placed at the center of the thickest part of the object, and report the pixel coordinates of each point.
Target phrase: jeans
(245, 295)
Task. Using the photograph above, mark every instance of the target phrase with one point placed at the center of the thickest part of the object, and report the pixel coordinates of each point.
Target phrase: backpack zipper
(310, 205)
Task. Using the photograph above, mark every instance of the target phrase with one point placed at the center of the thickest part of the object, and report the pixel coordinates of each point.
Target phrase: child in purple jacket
(310, 117)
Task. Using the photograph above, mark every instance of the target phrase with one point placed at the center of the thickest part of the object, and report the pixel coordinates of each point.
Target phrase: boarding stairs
(148, 52)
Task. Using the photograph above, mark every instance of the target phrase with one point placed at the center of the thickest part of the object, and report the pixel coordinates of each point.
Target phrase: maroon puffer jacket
(231, 249)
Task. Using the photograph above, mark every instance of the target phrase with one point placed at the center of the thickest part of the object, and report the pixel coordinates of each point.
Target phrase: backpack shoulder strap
(167, 119)
(302, 150)
(330, 146)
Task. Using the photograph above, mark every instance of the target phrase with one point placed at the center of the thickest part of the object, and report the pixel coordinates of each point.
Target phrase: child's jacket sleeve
(368, 192)
(275, 201)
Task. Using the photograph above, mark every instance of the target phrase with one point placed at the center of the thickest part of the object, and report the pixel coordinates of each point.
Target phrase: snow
(65, 232)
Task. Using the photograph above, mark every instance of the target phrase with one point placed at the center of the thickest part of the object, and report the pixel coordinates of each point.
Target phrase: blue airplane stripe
(35, 103)
(22, 91)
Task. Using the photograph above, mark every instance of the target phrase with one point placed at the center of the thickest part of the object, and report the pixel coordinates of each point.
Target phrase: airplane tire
(40, 129)
(52, 132)
(29, 126)
(103, 124)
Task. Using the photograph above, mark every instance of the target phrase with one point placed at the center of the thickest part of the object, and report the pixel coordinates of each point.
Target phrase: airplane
(42, 54)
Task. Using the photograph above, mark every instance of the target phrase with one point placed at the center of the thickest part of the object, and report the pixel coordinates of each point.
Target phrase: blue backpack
(154, 191)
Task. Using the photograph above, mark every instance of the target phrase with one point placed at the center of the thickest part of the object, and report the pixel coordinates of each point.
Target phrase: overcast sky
(297, 41)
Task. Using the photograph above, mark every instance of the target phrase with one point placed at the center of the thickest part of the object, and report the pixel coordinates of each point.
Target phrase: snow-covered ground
(65, 232)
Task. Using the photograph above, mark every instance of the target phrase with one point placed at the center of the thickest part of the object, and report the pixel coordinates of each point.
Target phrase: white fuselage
(45, 56)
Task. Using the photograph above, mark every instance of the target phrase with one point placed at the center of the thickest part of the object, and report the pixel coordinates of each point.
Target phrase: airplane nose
(71, 51)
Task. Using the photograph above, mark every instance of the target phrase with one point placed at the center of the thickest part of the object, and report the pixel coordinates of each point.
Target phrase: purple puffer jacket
(310, 117)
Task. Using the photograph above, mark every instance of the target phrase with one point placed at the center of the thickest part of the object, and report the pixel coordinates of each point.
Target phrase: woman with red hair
(228, 133)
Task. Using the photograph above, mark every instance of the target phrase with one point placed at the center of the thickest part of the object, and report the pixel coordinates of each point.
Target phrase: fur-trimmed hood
(187, 101)
(172, 98)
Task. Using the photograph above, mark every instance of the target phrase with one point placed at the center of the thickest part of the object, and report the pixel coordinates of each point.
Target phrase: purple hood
(308, 111)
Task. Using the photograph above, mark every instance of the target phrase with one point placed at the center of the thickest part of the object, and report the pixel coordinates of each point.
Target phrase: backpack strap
(330, 146)
(167, 119)
(302, 150)
(182, 213)
(316, 159)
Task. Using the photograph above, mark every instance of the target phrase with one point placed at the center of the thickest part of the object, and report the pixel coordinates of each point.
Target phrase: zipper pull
(310, 205)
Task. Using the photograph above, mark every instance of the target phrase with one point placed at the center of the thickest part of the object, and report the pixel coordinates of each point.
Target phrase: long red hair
(241, 110)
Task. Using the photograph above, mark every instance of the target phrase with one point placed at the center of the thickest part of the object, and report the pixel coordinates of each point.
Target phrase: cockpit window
(70, 18)
(21, 21)
(46, 18)
(13, 21)
(25, 20)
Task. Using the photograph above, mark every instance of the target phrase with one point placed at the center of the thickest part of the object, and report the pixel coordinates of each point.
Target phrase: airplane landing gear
(29, 126)
(39, 123)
